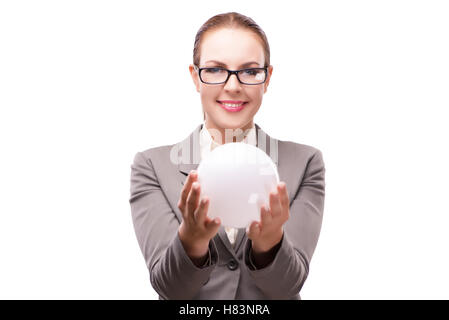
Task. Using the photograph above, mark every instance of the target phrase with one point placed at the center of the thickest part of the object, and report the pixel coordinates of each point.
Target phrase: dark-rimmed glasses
(219, 75)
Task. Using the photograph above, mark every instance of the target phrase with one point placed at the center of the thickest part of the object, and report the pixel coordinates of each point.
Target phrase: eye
(252, 72)
(213, 70)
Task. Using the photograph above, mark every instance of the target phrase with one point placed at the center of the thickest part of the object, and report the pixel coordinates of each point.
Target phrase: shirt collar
(208, 144)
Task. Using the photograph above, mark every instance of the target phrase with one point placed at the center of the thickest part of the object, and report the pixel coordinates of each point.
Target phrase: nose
(233, 83)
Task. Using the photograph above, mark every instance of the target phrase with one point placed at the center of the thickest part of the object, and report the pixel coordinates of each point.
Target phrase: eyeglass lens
(219, 75)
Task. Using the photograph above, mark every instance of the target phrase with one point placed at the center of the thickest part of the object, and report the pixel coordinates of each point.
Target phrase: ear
(269, 72)
(195, 77)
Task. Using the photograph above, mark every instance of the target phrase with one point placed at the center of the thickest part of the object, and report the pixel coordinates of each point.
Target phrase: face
(233, 48)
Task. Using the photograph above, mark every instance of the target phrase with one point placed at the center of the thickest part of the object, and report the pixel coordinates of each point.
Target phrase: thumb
(213, 224)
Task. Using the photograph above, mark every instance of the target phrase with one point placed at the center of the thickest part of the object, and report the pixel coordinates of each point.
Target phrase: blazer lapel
(189, 153)
(189, 157)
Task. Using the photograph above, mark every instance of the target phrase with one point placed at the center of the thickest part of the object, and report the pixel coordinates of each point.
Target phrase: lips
(232, 105)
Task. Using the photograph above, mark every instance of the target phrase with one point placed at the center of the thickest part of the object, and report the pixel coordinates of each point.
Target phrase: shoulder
(155, 154)
(169, 153)
(298, 152)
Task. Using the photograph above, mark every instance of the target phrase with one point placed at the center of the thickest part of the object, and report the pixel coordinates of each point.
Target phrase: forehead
(231, 46)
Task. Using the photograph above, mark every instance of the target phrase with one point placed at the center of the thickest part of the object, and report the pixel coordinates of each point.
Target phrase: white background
(84, 85)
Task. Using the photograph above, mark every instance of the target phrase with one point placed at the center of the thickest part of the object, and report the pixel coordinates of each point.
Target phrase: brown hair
(230, 20)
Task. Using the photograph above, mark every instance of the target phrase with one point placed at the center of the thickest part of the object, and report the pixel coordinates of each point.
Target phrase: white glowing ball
(237, 178)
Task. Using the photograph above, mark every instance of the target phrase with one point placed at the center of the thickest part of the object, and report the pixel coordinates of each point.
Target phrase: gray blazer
(157, 177)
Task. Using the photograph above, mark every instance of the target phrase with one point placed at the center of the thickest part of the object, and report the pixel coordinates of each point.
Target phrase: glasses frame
(230, 72)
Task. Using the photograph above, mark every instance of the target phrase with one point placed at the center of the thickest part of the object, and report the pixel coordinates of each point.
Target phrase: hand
(269, 231)
(196, 229)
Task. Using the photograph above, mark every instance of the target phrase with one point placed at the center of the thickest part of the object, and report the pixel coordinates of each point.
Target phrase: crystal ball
(237, 178)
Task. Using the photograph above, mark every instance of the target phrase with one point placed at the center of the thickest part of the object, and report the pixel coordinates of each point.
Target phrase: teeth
(232, 105)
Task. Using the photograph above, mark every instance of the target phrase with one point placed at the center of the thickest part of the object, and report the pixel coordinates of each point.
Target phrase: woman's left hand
(269, 231)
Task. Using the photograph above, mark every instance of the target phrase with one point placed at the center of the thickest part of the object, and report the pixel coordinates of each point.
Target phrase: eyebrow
(224, 64)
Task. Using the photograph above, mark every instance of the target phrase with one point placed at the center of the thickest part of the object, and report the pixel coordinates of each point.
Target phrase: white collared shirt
(207, 144)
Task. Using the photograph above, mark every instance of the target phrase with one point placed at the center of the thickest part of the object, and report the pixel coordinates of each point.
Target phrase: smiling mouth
(232, 107)
(232, 103)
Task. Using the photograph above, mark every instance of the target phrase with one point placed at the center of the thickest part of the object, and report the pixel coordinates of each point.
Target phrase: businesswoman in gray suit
(191, 256)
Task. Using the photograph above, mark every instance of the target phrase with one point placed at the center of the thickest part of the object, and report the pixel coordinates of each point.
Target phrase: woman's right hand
(196, 229)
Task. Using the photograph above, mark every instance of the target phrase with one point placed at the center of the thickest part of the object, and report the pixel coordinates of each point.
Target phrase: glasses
(217, 75)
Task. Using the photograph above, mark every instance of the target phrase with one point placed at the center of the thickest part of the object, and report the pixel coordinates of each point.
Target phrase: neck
(225, 135)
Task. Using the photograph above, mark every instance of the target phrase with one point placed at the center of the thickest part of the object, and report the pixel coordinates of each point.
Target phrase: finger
(212, 225)
(265, 216)
(253, 230)
(285, 202)
(192, 201)
(275, 204)
(201, 211)
(192, 177)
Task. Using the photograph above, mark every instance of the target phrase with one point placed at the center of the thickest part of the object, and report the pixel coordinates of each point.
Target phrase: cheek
(209, 94)
(256, 94)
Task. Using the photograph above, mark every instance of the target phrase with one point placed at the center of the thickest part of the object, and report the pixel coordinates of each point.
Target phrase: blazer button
(232, 264)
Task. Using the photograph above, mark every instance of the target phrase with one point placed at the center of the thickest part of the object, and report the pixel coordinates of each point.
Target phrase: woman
(189, 255)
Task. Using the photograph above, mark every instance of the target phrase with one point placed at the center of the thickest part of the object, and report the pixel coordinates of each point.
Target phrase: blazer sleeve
(172, 273)
(284, 277)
